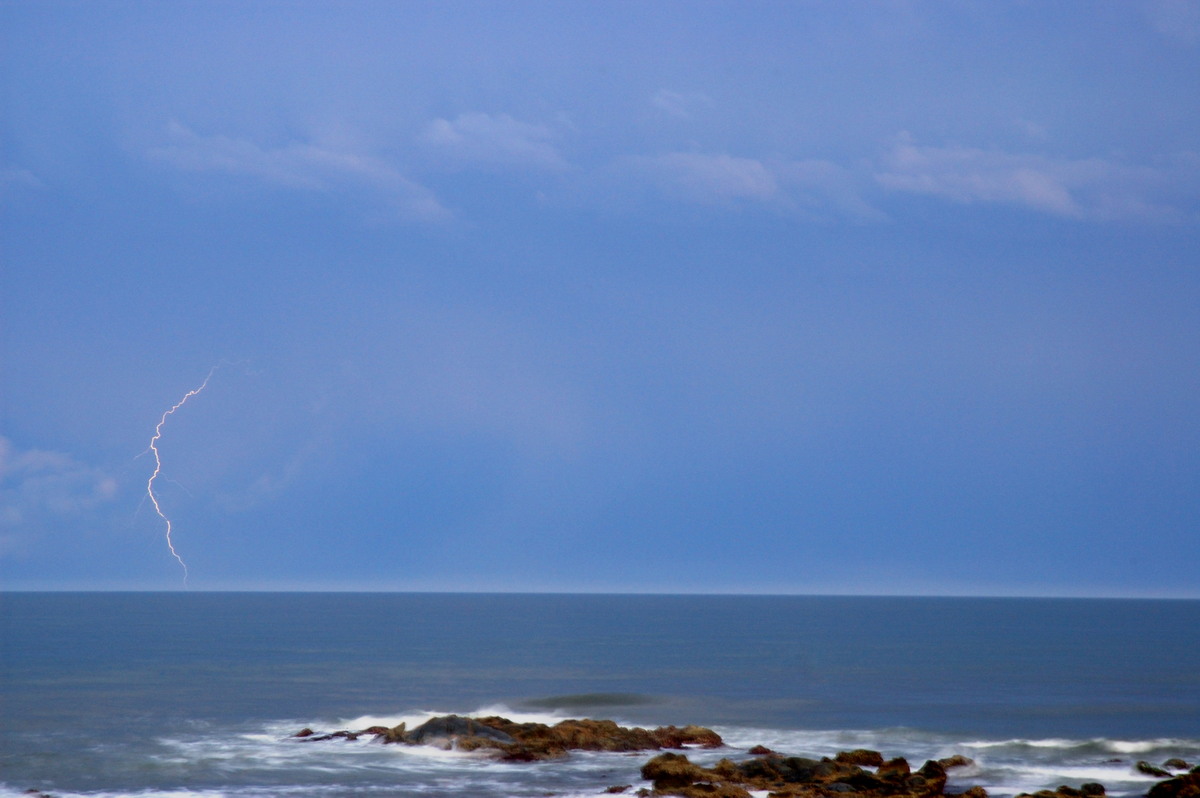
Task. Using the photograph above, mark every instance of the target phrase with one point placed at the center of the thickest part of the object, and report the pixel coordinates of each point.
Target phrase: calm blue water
(195, 693)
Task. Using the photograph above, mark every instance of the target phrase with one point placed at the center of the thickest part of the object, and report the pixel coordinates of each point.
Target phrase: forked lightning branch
(158, 468)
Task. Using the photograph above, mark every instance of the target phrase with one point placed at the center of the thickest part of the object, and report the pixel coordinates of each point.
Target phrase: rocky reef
(860, 773)
(530, 742)
(845, 776)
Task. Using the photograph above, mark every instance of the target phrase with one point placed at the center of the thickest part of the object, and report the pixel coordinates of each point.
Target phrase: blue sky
(721, 297)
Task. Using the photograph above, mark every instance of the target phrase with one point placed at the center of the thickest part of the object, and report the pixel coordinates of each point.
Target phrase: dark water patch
(580, 701)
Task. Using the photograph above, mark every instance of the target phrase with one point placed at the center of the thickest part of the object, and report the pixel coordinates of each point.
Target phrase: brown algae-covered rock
(860, 756)
(797, 777)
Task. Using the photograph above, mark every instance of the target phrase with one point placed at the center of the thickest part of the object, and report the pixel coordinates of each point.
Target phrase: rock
(385, 735)
(831, 770)
(669, 771)
(796, 777)
(1186, 786)
(860, 756)
(605, 735)
(531, 742)
(674, 774)
(779, 769)
(446, 730)
(1176, 764)
(1089, 790)
(1150, 770)
(305, 732)
(893, 768)
(932, 779)
(671, 737)
(537, 741)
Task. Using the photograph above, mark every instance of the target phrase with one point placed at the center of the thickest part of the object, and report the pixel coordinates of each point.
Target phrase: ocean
(174, 694)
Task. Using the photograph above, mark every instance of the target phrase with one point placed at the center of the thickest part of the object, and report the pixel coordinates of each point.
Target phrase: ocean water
(172, 694)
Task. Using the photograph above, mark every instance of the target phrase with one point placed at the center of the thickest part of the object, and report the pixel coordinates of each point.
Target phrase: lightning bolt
(158, 467)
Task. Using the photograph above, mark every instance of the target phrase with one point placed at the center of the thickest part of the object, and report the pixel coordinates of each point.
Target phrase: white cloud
(496, 140)
(819, 185)
(13, 179)
(37, 485)
(681, 106)
(709, 179)
(809, 187)
(301, 166)
(1090, 188)
(965, 175)
(1031, 130)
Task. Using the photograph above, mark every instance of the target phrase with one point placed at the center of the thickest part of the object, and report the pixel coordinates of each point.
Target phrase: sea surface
(173, 694)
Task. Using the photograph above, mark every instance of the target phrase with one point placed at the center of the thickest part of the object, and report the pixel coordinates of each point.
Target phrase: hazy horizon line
(611, 592)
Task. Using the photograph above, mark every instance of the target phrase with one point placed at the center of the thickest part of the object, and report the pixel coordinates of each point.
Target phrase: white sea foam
(1146, 746)
(1101, 773)
(1053, 742)
(266, 761)
(521, 716)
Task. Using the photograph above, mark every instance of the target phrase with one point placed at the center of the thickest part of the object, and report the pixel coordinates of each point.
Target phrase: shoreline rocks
(859, 773)
(799, 777)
